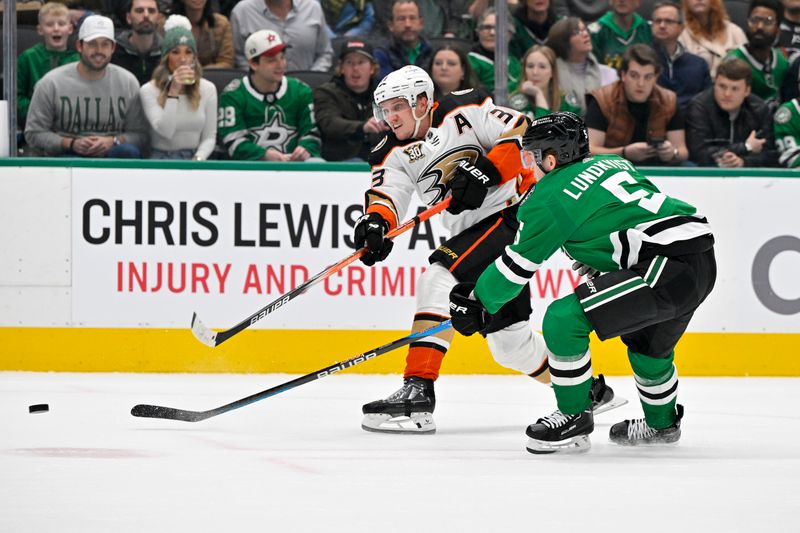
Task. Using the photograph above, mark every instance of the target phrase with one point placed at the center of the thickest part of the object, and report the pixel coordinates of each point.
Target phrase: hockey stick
(214, 338)
(170, 413)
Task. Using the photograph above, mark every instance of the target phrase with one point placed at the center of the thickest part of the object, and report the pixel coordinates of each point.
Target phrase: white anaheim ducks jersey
(465, 124)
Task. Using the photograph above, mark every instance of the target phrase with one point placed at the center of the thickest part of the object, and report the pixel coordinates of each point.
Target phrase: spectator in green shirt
(617, 30)
(55, 28)
(481, 58)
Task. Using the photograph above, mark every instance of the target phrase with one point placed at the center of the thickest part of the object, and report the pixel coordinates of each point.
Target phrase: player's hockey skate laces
(638, 429)
(554, 420)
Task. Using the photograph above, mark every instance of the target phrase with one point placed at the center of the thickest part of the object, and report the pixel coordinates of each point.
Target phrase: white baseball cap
(96, 26)
(263, 42)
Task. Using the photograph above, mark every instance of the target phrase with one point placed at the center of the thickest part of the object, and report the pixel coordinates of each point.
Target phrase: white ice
(299, 461)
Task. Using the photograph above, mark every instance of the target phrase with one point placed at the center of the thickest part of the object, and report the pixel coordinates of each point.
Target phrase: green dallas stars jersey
(601, 211)
(249, 122)
(767, 77)
(609, 41)
(787, 133)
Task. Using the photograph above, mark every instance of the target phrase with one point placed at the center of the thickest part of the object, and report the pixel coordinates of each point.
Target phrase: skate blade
(417, 423)
(613, 404)
(666, 443)
(579, 444)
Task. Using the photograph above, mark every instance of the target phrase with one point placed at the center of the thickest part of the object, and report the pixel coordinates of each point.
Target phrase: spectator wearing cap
(300, 23)
(267, 115)
(89, 108)
(180, 106)
(138, 49)
(343, 106)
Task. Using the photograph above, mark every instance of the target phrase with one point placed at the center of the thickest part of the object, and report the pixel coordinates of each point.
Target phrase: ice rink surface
(299, 461)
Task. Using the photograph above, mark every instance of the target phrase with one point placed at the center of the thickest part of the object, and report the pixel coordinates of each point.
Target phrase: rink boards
(105, 263)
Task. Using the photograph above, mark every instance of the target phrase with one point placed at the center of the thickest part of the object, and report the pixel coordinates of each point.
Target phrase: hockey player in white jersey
(467, 147)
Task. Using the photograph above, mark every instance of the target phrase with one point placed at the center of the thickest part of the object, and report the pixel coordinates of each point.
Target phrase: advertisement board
(149, 248)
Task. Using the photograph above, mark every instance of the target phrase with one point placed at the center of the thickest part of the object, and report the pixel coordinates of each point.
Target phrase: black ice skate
(603, 398)
(409, 410)
(561, 433)
(637, 432)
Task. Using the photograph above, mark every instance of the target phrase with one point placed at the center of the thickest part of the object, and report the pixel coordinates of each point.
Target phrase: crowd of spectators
(663, 84)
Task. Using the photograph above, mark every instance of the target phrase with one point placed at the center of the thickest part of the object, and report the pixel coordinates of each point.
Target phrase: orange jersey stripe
(387, 214)
(476, 243)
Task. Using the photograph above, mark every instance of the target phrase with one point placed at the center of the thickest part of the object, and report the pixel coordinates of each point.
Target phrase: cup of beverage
(190, 80)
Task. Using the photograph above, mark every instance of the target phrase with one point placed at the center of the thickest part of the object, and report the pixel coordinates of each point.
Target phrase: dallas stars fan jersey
(249, 122)
(787, 133)
(465, 124)
(767, 77)
(602, 212)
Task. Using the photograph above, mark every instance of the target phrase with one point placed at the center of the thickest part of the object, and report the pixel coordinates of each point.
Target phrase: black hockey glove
(467, 314)
(470, 183)
(370, 231)
(585, 270)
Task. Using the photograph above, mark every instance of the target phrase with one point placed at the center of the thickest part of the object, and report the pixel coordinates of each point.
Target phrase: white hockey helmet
(408, 83)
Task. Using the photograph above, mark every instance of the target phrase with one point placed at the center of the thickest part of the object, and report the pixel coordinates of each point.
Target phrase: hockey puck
(38, 408)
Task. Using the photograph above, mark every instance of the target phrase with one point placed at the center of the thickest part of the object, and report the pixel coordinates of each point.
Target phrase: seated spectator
(117, 10)
(179, 104)
(532, 21)
(60, 122)
(440, 18)
(768, 64)
(212, 33)
(787, 133)
(728, 127)
(482, 55)
(300, 23)
(450, 71)
(586, 10)
(55, 28)
(634, 117)
(350, 18)
(539, 92)
(406, 45)
(789, 35)
(343, 106)
(267, 115)
(579, 72)
(616, 30)
(708, 33)
(139, 49)
(681, 72)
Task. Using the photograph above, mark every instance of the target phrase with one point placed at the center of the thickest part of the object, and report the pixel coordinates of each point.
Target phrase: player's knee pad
(618, 303)
(518, 347)
(433, 290)
(566, 328)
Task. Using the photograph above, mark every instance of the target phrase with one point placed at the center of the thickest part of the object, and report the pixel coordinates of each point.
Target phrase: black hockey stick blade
(170, 413)
(213, 338)
(156, 411)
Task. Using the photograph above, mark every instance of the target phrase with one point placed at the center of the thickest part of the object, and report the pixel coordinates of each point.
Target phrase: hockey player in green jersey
(656, 262)
(267, 115)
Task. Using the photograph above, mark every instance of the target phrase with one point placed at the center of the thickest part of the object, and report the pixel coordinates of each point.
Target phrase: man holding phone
(729, 127)
(634, 117)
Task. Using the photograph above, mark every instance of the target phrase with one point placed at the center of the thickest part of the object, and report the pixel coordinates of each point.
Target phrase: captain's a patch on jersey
(414, 152)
